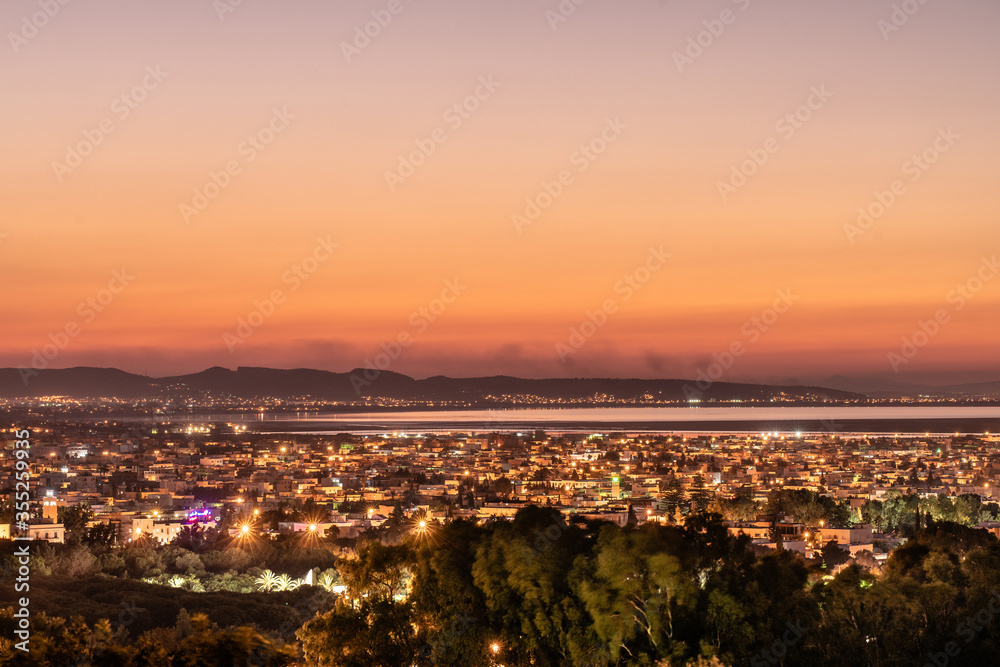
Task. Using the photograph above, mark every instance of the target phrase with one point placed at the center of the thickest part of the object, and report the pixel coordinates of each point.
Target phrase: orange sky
(667, 136)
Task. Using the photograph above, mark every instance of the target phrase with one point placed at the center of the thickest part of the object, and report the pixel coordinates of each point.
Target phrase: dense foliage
(539, 591)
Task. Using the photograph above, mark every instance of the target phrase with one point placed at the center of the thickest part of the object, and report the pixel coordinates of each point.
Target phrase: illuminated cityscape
(528, 333)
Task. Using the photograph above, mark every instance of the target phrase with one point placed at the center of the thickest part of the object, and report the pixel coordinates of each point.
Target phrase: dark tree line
(540, 591)
(537, 591)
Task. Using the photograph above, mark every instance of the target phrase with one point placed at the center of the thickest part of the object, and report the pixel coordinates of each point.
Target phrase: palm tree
(266, 581)
(284, 583)
(176, 581)
(327, 581)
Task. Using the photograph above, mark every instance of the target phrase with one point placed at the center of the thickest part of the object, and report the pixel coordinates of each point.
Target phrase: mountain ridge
(248, 382)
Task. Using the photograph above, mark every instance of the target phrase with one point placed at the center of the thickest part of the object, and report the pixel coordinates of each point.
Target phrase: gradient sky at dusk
(656, 186)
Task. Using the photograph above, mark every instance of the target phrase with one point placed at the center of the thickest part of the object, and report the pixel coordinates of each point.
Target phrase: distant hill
(250, 383)
(881, 388)
(77, 382)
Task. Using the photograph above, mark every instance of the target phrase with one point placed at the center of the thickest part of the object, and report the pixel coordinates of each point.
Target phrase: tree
(774, 535)
(833, 556)
(193, 538)
(541, 475)
(673, 497)
(871, 512)
(378, 632)
(266, 581)
(102, 536)
(75, 519)
(378, 573)
(866, 560)
(633, 589)
(521, 569)
(698, 494)
(447, 605)
(740, 508)
(209, 645)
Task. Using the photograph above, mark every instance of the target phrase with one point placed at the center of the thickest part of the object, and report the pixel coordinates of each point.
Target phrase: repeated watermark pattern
(454, 117)
(624, 289)
(562, 12)
(704, 39)
(914, 167)
(420, 320)
(121, 108)
(773, 654)
(900, 16)
(370, 30)
(248, 151)
(86, 311)
(225, 7)
(958, 297)
(786, 127)
(581, 159)
(751, 331)
(293, 278)
(33, 24)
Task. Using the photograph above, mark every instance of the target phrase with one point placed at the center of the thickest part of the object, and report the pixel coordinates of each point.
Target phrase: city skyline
(179, 172)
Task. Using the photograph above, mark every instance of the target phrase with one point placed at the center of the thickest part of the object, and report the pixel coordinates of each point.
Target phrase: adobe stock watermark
(454, 117)
(563, 11)
(248, 150)
(33, 24)
(581, 159)
(751, 331)
(293, 279)
(914, 167)
(779, 649)
(899, 17)
(121, 108)
(786, 127)
(87, 311)
(969, 629)
(958, 297)
(224, 7)
(371, 30)
(420, 320)
(698, 43)
(625, 288)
